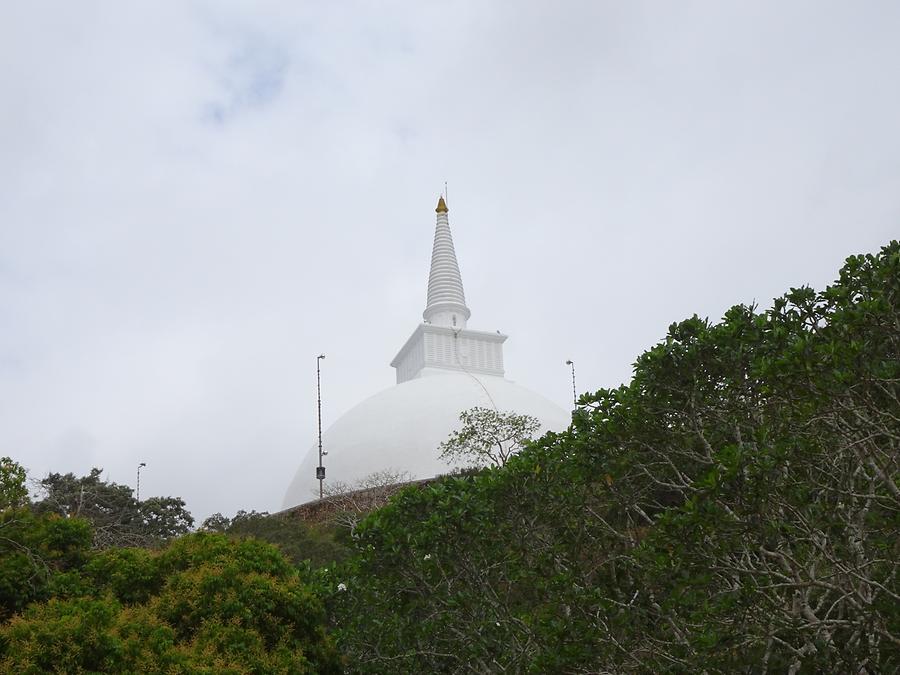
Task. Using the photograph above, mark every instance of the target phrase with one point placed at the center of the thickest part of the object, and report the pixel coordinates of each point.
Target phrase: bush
(204, 604)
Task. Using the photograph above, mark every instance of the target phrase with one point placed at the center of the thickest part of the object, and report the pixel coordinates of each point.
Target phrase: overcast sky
(197, 198)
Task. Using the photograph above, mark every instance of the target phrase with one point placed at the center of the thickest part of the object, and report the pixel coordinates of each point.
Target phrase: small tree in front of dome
(488, 437)
(351, 502)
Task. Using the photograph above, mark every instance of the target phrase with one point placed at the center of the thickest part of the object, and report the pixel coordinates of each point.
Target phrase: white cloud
(196, 199)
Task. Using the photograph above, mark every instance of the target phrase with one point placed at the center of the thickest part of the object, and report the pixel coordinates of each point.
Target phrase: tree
(34, 548)
(216, 523)
(162, 518)
(488, 437)
(317, 545)
(734, 508)
(351, 502)
(13, 492)
(205, 604)
(117, 517)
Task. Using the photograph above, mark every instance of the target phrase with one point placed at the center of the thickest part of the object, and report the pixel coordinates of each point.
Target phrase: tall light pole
(140, 466)
(570, 362)
(320, 470)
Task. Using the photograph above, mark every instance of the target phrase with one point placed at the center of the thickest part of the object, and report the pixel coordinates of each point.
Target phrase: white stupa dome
(400, 428)
(443, 369)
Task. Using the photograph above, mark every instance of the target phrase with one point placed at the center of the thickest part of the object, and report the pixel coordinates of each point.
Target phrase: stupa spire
(446, 304)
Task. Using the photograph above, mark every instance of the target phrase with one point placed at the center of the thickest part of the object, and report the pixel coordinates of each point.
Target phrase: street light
(570, 362)
(140, 466)
(320, 470)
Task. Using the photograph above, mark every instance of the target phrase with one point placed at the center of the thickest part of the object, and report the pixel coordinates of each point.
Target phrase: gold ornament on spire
(442, 206)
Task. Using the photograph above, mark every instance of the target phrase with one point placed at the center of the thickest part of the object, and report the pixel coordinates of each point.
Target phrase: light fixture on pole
(570, 362)
(320, 470)
(140, 466)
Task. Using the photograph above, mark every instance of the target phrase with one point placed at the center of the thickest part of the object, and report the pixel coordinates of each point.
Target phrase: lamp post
(320, 470)
(140, 466)
(571, 363)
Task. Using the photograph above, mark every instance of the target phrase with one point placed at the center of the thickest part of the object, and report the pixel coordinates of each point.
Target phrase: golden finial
(442, 206)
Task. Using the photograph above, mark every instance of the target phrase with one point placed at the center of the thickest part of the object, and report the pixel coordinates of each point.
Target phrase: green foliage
(131, 575)
(13, 492)
(734, 508)
(302, 543)
(162, 518)
(216, 523)
(488, 437)
(88, 635)
(205, 604)
(117, 517)
(33, 550)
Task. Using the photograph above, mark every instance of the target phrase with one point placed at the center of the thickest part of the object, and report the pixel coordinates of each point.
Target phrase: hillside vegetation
(203, 603)
(734, 508)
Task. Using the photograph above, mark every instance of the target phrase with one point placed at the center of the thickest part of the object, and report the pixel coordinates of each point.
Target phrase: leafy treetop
(488, 437)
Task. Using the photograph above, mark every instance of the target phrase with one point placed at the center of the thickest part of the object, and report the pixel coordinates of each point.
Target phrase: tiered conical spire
(446, 305)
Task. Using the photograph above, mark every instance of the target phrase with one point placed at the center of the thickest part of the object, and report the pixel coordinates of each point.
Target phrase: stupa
(442, 369)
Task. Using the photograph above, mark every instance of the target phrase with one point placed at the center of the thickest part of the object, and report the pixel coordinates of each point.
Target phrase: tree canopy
(733, 508)
(317, 545)
(118, 519)
(488, 437)
(205, 603)
(34, 547)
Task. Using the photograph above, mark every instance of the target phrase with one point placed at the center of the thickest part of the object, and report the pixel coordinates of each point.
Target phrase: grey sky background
(196, 198)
